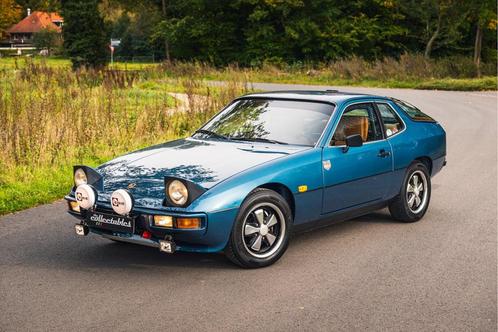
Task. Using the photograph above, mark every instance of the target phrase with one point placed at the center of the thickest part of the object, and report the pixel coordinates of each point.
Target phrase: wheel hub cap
(263, 230)
(416, 193)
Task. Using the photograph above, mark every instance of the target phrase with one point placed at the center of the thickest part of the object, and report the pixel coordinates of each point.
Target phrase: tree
(286, 31)
(320, 30)
(164, 7)
(483, 15)
(434, 23)
(10, 14)
(202, 30)
(47, 39)
(41, 5)
(85, 37)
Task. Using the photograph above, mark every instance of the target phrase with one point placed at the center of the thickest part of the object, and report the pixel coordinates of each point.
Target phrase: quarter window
(359, 119)
(392, 123)
(414, 113)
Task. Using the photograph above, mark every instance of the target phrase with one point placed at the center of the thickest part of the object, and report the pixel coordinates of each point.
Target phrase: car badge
(327, 164)
(132, 185)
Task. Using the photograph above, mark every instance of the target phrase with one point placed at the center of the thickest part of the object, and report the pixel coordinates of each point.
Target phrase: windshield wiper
(211, 134)
(258, 139)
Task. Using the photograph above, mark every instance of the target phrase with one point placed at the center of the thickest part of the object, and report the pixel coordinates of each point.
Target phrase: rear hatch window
(414, 113)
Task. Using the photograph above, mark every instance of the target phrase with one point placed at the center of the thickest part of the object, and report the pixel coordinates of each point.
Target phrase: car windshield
(270, 121)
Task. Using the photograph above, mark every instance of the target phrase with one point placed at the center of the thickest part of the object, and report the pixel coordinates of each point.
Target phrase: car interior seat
(351, 125)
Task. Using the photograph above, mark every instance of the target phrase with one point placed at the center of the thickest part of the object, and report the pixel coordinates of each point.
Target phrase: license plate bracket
(110, 222)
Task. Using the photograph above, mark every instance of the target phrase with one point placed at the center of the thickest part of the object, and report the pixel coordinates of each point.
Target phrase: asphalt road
(367, 274)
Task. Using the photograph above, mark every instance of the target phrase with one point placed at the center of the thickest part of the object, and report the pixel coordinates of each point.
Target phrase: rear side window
(392, 122)
(414, 113)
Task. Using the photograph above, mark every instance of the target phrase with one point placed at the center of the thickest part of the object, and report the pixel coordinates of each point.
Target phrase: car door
(393, 127)
(356, 175)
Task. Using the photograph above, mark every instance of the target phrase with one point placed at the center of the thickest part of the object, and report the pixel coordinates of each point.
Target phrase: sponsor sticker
(99, 218)
(110, 222)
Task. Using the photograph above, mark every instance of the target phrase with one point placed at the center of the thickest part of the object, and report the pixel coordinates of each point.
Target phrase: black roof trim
(314, 92)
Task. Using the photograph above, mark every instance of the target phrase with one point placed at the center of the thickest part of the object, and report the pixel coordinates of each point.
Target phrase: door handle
(383, 153)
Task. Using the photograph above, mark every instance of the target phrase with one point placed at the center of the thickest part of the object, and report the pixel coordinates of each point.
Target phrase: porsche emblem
(327, 165)
(132, 185)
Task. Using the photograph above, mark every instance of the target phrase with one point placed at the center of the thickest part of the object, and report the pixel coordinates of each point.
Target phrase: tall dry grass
(52, 118)
(408, 67)
(49, 115)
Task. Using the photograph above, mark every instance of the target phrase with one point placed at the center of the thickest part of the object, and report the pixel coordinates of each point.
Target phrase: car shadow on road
(339, 229)
(124, 254)
(378, 217)
(129, 255)
(65, 250)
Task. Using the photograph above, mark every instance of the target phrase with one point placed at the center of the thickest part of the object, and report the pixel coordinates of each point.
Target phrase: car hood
(204, 162)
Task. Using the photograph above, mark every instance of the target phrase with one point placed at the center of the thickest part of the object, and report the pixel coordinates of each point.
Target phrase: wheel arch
(427, 161)
(283, 191)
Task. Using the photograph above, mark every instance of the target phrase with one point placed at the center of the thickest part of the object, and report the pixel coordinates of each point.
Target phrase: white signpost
(114, 43)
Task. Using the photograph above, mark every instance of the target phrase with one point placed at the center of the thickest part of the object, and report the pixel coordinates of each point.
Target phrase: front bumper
(211, 237)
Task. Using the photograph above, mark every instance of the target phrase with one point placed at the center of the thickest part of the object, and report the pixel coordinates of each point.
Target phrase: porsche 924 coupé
(267, 164)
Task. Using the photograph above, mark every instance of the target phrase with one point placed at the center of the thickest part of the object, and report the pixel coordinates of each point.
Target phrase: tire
(411, 204)
(260, 234)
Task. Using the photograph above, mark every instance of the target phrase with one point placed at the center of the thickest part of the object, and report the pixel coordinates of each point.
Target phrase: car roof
(330, 96)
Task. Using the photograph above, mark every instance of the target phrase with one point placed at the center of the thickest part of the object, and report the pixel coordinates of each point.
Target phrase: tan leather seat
(391, 128)
(351, 125)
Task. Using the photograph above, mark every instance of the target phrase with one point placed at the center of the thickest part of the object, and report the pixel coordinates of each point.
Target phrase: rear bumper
(212, 237)
(438, 164)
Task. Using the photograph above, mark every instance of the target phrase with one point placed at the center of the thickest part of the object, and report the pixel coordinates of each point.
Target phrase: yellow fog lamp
(74, 206)
(163, 221)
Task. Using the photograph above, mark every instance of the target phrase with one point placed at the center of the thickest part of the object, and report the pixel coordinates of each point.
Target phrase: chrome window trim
(319, 141)
(340, 116)
(374, 101)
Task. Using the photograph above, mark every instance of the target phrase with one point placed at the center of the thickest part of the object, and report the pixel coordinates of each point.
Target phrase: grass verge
(409, 72)
(487, 83)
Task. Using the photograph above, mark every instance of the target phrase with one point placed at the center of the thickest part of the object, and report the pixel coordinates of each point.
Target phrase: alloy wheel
(416, 192)
(263, 230)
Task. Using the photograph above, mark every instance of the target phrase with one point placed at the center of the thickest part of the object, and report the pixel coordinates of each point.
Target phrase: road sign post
(114, 43)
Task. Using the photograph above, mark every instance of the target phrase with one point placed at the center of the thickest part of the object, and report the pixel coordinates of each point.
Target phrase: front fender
(301, 169)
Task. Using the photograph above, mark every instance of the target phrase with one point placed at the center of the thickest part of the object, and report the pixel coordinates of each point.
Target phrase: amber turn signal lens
(163, 221)
(188, 223)
(74, 206)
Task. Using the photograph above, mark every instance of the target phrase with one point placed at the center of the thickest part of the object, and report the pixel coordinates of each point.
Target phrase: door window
(358, 119)
(392, 122)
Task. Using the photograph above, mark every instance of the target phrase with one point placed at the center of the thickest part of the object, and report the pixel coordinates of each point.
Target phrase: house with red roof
(21, 34)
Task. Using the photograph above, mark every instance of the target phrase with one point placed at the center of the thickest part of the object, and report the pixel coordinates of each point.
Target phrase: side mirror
(353, 141)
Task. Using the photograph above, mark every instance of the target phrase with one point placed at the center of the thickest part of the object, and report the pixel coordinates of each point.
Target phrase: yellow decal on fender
(302, 188)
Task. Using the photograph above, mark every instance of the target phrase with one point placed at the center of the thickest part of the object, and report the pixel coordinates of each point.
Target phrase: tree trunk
(166, 43)
(477, 49)
(430, 43)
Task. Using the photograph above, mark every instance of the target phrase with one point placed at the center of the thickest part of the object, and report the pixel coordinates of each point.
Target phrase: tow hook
(81, 230)
(167, 245)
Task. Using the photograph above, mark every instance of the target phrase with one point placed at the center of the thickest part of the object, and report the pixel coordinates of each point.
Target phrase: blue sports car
(266, 165)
